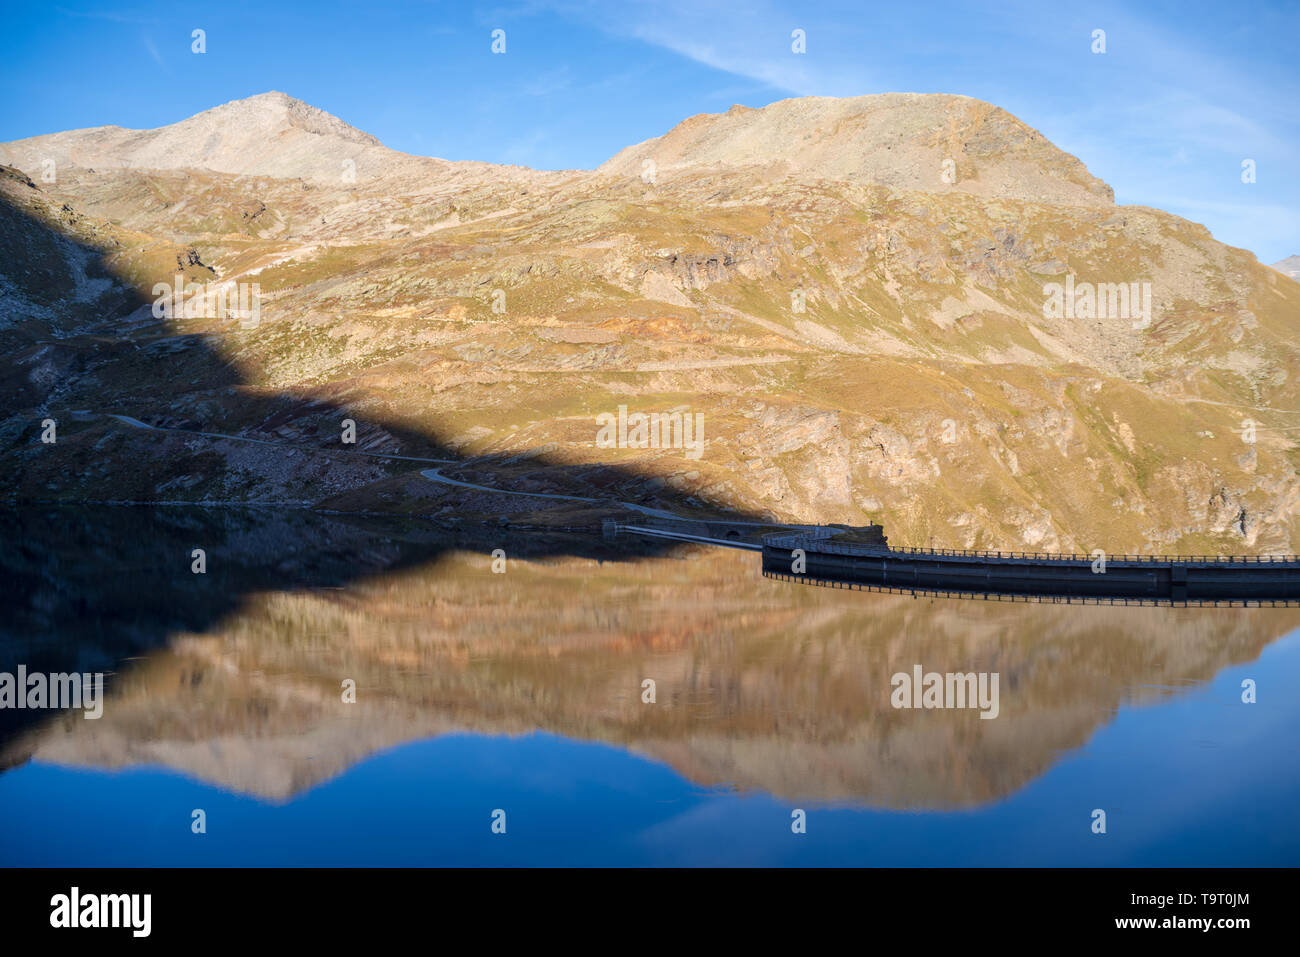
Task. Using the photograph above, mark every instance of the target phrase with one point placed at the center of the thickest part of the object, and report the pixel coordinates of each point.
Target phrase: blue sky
(1184, 93)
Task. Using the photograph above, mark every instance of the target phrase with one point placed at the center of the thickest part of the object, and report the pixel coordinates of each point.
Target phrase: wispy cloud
(153, 52)
(110, 16)
(751, 40)
(550, 82)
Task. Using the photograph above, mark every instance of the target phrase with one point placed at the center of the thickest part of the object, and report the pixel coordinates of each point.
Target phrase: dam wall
(1176, 579)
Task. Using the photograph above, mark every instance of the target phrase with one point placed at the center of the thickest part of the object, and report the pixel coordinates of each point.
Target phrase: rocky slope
(864, 327)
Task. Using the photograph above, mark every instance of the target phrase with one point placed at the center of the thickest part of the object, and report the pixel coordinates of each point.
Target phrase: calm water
(522, 692)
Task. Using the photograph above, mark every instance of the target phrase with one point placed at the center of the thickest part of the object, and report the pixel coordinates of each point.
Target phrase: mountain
(899, 140)
(270, 134)
(863, 338)
(1289, 266)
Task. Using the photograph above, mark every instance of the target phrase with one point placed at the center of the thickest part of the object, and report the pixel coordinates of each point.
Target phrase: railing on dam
(819, 541)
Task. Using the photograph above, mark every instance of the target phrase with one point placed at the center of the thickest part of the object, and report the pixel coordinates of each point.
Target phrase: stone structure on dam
(862, 558)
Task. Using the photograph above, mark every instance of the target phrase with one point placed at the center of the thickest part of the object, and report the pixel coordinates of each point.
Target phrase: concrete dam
(844, 556)
(825, 556)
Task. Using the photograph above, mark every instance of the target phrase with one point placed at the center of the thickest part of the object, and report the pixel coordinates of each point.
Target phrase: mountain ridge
(842, 139)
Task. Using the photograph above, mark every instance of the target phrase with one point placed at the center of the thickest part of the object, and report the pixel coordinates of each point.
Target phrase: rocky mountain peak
(271, 134)
(274, 111)
(931, 142)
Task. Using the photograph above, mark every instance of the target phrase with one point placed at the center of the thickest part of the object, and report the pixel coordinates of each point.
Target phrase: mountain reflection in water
(233, 678)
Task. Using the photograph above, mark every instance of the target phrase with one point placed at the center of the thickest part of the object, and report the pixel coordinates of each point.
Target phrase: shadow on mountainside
(81, 346)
